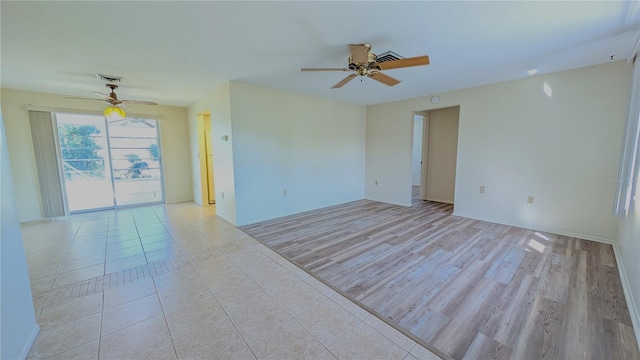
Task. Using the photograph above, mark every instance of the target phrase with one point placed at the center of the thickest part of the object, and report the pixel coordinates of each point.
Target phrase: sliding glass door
(109, 164)
(136, 162)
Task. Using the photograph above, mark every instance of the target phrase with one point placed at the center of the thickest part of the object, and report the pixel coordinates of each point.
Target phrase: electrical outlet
(529, 199)
(376, 182)
(284, 192)
(481, 189)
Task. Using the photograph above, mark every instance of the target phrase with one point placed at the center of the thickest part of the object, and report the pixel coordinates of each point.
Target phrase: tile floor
(177, 282)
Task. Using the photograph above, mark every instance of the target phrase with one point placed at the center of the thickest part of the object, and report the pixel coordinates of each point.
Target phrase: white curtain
(630, 159)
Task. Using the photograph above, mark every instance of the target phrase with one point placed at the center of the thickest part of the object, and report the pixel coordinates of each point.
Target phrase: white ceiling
(177, 52)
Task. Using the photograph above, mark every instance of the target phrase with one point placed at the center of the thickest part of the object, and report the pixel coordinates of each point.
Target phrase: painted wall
(18, 327)
(416, 167)
(442, 154)
(173, 132)
(218, 105)
(517, 141)
(313, 148)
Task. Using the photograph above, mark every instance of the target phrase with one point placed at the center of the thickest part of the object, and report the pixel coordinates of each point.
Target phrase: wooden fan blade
(139, 102)
(344, 81)
(325, 69)
(385, 79)
(83, 98)
(100, 94)
(414, 61)
(359, 53)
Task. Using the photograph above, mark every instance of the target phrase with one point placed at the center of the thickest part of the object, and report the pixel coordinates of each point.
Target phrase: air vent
(389, 56)
(110, 78)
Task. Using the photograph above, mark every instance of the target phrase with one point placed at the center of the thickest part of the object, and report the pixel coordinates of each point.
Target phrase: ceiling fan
(112, 98)
(365, 63)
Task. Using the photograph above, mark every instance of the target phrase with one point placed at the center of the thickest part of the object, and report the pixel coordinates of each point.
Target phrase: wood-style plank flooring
(468, 288)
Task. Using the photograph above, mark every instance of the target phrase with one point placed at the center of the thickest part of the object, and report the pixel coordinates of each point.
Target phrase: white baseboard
(29, 343)
(226, 219)
(552, 231)
(387, 201)
(440, 201)
(628, 295)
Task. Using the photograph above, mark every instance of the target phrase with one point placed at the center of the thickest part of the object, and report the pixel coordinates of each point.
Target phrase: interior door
(211, 188)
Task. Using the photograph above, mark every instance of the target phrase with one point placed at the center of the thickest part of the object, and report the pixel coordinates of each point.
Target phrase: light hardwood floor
(468, 288)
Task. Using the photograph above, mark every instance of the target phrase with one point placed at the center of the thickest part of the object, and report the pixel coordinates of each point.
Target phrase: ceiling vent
(389, 56)
(110, 78)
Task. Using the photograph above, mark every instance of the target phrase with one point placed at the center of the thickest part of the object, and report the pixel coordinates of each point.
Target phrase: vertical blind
(44, 148)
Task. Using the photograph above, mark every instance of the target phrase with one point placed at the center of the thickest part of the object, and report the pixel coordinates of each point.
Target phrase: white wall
(416, 165)
(173, 132)
(517, 141)
(218, 105)
(313, 148)
(18, 326)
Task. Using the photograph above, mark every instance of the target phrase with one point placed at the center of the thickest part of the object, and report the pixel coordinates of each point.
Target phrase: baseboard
(226, 219)
(552, 231)
(440, 201)
(628, 295)
(386, 201)
(29, 343)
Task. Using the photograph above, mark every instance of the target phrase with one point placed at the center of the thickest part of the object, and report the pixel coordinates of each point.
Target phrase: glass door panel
(85, 162)
(135, 158)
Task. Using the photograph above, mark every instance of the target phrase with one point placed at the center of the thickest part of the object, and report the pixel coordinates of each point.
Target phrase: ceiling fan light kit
(114, 113)
(365, 63)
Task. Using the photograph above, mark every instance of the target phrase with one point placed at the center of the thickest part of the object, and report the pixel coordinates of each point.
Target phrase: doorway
(439, 150)
(205, 153)
(108, 164)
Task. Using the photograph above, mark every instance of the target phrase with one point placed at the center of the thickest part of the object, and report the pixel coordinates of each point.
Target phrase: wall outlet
(529, 199)
(376, 182)
(222, 195)
(284, 192)
(481, 189)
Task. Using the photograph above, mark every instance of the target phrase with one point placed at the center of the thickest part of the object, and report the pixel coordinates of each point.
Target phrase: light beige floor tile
(82, 352)
(135, 340)
(73, 276)
(287, 341)
(193, 314)
(82, 262)
(132, 291)
(124, 253)
(363, 342)
(217, 340)
(40, 287)
(222, 277)
(244, 354)
(133, 312)
(411, 357)
(350, 306)
(390, 333)
(165, 352)
(318, 285)
(124, 244)
(162, 254)
(239, 296)
(422, 353)
(155, 238)
(71, 311)
(59, 339)
(125, 263)
(160, 245)
(328, 321)
(257, 320)
(298, 297)
(325, 355)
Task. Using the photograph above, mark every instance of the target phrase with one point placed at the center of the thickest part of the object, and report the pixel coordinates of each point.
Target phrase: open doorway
(437, 149)
(205, 154)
